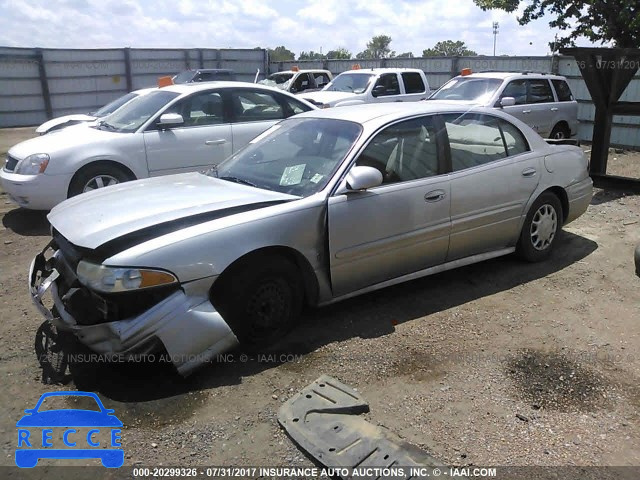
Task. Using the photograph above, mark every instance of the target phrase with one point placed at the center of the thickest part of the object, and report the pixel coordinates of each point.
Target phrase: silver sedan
(323, 206)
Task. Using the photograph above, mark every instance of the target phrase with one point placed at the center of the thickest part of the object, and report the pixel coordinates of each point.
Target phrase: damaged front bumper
(185, 321)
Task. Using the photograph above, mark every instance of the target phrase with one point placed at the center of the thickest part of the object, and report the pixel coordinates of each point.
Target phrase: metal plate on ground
(322, 419)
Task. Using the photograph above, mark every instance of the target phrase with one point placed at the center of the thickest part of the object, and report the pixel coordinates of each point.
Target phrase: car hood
(155, 206)
(329, 97)
(67, 119)
(68, 138)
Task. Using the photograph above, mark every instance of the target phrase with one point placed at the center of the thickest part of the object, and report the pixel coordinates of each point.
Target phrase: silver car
(323, 206)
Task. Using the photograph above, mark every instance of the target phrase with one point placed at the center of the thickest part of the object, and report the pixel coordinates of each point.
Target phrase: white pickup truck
(372, 85)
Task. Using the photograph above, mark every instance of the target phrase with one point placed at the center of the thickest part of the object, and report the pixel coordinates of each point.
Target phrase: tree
(405, 55)
(311, 55)
(281, 54)
(449, 48)
(377, 47)
(339, 53)
(616, 21)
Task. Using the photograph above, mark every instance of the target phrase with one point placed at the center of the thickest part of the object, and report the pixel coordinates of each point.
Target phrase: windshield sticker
(316, 178)
(292, 175)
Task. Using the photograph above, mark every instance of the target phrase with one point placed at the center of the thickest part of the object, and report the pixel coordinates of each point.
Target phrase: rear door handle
(554, 109)
(529, 172)
(526, 111)
(215, 142)
(434, 196)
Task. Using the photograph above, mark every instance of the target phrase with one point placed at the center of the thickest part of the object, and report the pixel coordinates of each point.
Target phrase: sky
(321, 25)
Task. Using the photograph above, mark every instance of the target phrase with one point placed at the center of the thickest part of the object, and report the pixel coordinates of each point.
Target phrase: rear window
(562, 90)
(413, 82)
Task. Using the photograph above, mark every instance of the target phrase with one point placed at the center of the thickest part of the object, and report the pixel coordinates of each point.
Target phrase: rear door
(493, 175)
(401, 226)
(542, 105)
(204, 139)
(415, 88)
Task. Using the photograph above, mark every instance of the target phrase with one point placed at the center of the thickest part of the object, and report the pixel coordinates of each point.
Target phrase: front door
(401, 226)
(204, 139)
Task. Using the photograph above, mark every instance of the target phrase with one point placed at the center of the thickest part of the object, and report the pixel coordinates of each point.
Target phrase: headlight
(118, 279)
(33, 164)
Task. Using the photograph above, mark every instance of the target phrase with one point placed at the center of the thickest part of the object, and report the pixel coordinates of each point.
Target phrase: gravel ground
(500, 363)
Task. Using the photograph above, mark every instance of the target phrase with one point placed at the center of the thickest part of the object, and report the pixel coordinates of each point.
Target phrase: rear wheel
(96, 176)
(260, 300)
(560, 132)
(540, 228)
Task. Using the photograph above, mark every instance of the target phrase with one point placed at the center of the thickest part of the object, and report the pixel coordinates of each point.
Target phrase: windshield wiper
(103, 123)
(238, 180)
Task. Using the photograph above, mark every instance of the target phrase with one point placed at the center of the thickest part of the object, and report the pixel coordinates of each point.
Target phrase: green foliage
(449, 48)
(405, 55)
(616, 21)
(281, 54)
(339, 53)
(311, 55)
(377, 47)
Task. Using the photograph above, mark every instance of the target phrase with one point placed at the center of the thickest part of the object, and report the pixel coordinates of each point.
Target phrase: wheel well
(309, 280)
(564, 200)
(106, 163)
(562, 124)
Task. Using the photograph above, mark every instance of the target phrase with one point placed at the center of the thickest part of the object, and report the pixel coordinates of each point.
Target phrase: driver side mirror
(359, 179)
(168, 120)
(507, 101)
(378, 90)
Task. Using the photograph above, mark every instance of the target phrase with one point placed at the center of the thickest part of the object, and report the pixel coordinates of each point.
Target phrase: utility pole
(495, 34)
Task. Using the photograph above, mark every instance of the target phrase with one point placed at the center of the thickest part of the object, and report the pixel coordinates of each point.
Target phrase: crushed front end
(127, 323)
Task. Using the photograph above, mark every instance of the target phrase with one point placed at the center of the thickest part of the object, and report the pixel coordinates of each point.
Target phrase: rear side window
(562, 90)
(540, 91)
(413, 82)
(255, 106)
(515, 141)
(474, 140)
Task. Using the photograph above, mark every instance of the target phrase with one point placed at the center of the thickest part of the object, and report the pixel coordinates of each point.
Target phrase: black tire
(87, 177)
(540, 229)
(260, 299)
(560, 132)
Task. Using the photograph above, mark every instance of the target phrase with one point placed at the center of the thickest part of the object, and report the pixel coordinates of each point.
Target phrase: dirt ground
(500, 363)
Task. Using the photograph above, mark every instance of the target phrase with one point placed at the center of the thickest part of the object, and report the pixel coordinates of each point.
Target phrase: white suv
(544, 102)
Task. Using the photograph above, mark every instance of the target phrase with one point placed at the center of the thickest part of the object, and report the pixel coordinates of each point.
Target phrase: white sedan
(175, 129)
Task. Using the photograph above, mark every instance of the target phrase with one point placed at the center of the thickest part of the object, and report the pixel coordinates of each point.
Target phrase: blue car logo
(36, 429)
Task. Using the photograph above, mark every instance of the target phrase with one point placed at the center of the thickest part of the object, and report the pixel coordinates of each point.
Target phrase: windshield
(470, 89)
(297, 156)
(113, 106)
(350, 82)
(279, 80)
(132, 115)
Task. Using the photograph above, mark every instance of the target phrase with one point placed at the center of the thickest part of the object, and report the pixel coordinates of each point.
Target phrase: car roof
(182, 88)
(386, 112)
(382, 70)
(509, 75)
(307, 70)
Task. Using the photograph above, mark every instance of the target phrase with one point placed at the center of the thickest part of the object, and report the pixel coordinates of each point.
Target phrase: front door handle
(526, 111)
(215, 142)
(529, 172)
(434, 196)
(554, 109)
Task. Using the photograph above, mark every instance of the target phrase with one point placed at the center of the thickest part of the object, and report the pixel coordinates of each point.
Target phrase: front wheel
(560, 132)
(96, 176)
(540, 228)
(260, 300)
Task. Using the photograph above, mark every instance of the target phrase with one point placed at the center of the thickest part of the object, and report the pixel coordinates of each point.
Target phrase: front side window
(297, 157)
(204, 108)
(388, 84)
(413, 82)
(474, 140)
(562, 90)
(302, 83)
(516, 89)
(540, 91)
(255, 106)
(404, 151)
(134, 114)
